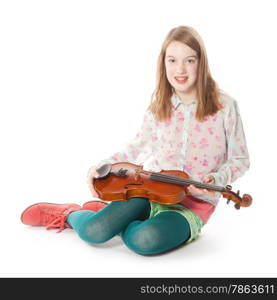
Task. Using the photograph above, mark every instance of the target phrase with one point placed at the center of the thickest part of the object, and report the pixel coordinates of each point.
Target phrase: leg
(163, 232)
(111, 220)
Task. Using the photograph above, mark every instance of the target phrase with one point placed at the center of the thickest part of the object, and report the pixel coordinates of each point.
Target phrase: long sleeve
(138, 149)
(237, 160)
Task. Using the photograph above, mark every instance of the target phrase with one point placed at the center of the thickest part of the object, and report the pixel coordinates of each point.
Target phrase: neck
(187, 97)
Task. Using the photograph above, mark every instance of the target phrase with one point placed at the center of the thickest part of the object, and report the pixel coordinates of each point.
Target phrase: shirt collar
(176, 101)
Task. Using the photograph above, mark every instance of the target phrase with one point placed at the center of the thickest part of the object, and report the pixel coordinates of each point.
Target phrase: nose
(181, 69)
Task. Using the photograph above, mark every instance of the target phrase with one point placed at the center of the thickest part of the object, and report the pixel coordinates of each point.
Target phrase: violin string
(174, 178)
(171, 179)
(177, 180)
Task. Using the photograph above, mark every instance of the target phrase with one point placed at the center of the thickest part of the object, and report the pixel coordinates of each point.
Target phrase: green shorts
(194, 221)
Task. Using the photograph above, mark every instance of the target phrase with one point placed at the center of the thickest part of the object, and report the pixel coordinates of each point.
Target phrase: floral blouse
(215, 146)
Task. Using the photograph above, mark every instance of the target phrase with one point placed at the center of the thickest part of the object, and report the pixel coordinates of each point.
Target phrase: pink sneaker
(94, 205)
(50, 215)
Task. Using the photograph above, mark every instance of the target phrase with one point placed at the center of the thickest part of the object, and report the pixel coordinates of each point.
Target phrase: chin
(182, 91)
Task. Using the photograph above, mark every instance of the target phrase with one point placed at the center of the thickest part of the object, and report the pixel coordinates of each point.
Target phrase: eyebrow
(185, 57)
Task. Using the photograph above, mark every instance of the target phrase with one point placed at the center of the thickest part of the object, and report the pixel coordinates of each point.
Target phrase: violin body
(137, 184)
(122, 181)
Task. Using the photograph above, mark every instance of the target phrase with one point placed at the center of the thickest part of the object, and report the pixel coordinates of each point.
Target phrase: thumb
(208, 179)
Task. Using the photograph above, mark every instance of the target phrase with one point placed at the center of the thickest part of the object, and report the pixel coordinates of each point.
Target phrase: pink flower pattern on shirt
(215, 146)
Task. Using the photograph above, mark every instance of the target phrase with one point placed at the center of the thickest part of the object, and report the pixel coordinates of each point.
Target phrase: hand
(92, 173)
(197, 191)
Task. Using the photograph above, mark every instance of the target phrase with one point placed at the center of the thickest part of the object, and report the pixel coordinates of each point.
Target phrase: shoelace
(57, 222)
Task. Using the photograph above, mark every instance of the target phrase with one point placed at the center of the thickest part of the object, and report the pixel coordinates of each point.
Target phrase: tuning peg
(228, 187)
(238, 192)
(237, 206)
(228, 201)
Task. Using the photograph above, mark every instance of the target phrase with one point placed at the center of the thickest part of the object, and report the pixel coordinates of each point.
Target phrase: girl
(190, 125)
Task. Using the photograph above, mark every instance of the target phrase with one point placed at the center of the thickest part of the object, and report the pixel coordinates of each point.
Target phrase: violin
(124, 180)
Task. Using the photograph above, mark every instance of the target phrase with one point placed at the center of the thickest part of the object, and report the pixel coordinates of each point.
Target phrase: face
(181, 65)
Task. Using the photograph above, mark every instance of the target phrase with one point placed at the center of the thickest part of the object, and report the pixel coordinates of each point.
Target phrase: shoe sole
(21, 217)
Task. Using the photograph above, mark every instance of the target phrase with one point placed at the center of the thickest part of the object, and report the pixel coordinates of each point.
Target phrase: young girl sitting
(190, 125)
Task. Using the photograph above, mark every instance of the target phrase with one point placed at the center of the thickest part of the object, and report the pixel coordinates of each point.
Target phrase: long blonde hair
(207, 91)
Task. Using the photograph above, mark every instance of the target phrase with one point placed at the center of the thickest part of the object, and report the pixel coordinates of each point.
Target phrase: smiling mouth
(181, 79)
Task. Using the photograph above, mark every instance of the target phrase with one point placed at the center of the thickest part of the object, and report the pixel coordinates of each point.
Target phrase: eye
(171, 60)
(191, 61)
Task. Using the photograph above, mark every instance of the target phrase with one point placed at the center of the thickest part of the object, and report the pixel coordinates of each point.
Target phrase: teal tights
(129, 219)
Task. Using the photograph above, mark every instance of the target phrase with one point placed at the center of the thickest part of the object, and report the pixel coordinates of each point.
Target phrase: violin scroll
(247, 199)
(244, 201)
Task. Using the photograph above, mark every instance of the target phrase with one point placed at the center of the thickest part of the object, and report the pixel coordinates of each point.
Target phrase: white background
(76, 77)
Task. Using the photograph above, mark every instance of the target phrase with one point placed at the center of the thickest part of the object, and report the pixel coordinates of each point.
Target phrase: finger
(94, 174)
(207, 179)
(210, 179)
(210, 193)
(191, 188)
(90, 184)
(195, 190)
(93, 192)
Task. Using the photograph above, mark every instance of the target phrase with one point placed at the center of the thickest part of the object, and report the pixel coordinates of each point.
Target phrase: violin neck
(185, 182)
